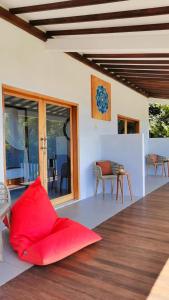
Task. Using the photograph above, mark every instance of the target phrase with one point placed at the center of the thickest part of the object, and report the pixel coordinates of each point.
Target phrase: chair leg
(8, 219)
(103, 184)
(112, 186)
(163, 169)
(97, 184)
(147, 169)
(1, 246)
(129, 185)
(117, 187)
(155, 166)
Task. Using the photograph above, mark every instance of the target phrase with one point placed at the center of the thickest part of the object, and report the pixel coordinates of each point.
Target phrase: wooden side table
(120, 183)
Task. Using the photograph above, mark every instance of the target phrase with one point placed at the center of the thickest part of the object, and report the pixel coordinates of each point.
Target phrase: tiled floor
(95, 210)
(11, 265)
(154, 182)
(90, 212)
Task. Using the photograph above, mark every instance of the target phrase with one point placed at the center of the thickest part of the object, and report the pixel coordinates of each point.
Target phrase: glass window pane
(21, 141)
(131, 127)
(121, 126)
(58, 151)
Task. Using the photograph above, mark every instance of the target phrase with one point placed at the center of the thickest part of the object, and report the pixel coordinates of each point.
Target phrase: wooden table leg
(122, 187)
(129, 185)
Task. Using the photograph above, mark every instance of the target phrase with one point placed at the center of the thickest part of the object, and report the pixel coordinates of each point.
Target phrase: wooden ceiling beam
(144, 76)
(8, 16)
(161, 87)
(125, 82)
(105, 30)
(161, 93)
(59, 5)
(159, 96)
(135, 67)
(151, 81)
(156, 11)
(150, 77)
(144, 72)
(127, 55)
(135, 61)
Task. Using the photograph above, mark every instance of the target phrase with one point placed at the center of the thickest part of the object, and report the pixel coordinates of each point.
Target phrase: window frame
(126, 121)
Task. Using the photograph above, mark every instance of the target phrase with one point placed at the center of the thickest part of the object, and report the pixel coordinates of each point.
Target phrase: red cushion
(32, 218)
(105, 166)
(66, 238)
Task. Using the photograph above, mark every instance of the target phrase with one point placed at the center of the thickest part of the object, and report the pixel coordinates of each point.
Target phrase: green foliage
(159, 120)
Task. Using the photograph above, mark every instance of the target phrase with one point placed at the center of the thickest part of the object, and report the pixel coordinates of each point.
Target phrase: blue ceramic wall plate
(102, 99)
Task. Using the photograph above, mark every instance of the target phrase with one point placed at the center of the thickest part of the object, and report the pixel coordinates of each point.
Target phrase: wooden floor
(123, 266)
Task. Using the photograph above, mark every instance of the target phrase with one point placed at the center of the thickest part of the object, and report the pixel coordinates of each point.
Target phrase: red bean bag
(38, 235)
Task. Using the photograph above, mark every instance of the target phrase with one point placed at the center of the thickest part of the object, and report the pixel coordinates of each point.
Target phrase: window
(127, 125)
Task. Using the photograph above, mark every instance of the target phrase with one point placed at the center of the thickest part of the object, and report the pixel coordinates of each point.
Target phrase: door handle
(43, 143)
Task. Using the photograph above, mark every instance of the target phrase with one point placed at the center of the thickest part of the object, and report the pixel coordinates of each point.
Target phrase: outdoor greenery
(159, 120)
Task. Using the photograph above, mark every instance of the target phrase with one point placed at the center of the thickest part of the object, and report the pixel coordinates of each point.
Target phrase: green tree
(159, 120)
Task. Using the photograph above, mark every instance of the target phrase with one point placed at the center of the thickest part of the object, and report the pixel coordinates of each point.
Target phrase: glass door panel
(21, 143)
(58, 143)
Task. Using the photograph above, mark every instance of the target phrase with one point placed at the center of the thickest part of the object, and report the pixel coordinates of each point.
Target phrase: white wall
(129, 151)
(159, 146)
(25, 63)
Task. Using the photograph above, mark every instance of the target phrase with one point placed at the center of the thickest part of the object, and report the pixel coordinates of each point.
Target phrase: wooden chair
(156, 160)
(115, 167)
(5, 205)
(65, 173)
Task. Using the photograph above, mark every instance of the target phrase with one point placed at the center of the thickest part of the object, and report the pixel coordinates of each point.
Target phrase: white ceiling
(101, 8)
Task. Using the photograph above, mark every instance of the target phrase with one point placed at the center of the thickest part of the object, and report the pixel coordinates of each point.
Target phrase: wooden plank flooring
(123, 266)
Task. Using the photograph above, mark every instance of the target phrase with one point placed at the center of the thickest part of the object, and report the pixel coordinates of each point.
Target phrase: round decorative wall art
(102, 99)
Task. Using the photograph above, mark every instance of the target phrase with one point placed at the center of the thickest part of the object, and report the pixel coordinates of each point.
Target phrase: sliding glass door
(38, 142)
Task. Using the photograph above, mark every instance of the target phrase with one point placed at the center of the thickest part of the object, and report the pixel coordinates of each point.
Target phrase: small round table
(120, 183)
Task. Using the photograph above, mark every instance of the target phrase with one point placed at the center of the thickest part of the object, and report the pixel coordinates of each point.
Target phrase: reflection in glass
(121, 126)
(58, 150)
(131, 127)
(21, 140)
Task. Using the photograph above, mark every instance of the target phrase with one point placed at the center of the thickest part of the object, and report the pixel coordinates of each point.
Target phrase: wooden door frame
(13, 91)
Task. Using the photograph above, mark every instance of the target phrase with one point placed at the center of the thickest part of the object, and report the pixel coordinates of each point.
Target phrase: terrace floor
(123, 266)
(154, 182)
